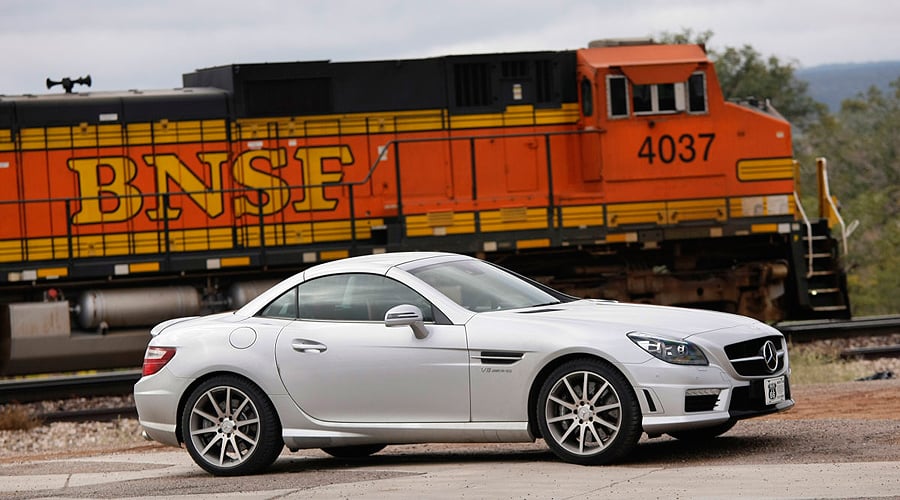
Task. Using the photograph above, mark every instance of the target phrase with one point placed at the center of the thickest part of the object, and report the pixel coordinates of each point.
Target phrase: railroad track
(806, 331)
(883, 327)
(47, 388)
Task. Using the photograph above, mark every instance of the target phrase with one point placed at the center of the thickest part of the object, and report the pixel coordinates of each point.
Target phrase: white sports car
(353, 355)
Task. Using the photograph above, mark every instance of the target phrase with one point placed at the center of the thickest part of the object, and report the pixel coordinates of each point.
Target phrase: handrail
(825, 193)
(809, 235)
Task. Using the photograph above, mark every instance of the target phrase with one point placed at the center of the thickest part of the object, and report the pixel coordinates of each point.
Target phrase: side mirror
(406, 315)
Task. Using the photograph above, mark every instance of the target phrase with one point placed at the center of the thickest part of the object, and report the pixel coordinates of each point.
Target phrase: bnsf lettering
(108, 191)
(686, 148)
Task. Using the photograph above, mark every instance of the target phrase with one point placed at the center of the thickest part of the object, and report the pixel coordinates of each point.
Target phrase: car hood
(616, 317)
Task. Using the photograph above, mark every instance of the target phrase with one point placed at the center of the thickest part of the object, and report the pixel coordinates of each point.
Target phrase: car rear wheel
(358, 451)
(704, 433)
(587, 413)
(230, 428)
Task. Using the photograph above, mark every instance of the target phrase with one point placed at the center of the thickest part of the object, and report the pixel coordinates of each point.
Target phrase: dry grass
(815, 363)
(15, 417)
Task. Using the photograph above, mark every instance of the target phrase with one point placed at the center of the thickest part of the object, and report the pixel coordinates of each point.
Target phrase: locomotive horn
(67, 83)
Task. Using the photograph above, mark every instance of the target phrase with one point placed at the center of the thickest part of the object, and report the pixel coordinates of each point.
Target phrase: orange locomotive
(615, 171)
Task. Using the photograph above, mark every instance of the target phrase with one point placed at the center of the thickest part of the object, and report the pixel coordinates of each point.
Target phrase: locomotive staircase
(821, 281)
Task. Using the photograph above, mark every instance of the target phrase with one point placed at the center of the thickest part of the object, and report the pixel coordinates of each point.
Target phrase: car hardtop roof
(376, 262)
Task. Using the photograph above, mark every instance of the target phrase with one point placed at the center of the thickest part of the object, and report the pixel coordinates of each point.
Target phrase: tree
(862, 143)
(745, 73)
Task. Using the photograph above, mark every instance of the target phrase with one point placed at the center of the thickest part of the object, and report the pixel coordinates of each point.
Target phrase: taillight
(155, 358)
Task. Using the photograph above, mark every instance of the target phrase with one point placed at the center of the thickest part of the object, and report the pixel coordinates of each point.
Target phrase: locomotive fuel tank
(131, 307)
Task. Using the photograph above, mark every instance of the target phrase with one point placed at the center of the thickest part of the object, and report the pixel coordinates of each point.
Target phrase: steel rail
(27, 390)
(872, 326)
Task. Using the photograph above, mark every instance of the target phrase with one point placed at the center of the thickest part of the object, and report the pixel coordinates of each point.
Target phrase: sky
(132, 44)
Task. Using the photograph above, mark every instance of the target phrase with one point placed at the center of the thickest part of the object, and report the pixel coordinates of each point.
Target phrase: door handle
(310, 346)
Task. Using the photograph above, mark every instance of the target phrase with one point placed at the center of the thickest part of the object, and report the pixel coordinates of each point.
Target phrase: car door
(340, 363)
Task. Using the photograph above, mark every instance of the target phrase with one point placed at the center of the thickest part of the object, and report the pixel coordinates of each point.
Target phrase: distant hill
(832, 83)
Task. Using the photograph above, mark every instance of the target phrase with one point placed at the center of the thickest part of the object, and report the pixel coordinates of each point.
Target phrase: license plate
(774, 389)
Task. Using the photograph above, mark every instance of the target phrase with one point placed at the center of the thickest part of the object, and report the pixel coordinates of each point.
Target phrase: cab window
(656, 98)
(618, 96)
(697, 93)
(587, 98)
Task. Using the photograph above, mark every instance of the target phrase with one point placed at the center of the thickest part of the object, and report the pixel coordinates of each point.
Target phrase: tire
(588, 414)
(358, 451)
(230, 427)
(703, 433)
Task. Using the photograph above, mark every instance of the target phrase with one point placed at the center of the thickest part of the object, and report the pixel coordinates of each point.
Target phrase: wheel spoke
(581, 429)
(205, 415)
(244, 423)
(606, 424)
(222, 451)
(248, 439)
(204, 430)
(599, 392)
(567, 416)
(228, 402)
(606, 408)
(214, 404)
(562, 439)
(571, 390)
(237, 456)
(584, 387)
(564, 404)
(241, 406)
(212, 443)
(600, 442)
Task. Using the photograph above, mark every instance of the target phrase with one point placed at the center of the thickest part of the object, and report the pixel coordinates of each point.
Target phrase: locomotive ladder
(821, 280)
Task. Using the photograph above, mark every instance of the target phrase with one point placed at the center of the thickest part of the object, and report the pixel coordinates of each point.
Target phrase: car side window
(282, 307)
(356, 297)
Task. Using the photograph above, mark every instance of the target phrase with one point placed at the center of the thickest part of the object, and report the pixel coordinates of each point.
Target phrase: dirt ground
(864, 400)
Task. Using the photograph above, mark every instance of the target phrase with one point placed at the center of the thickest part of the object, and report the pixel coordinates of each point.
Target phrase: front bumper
(675, 398)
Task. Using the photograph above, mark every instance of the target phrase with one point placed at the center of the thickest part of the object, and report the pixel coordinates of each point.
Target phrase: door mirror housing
(406, 315)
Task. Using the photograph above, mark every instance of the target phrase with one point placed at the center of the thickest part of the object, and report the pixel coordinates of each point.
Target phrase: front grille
(747, 359)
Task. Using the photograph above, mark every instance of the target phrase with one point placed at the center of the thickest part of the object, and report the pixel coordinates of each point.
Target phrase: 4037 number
(686, 148)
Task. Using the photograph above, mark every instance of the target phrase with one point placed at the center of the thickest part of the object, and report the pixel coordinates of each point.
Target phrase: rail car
(614, 171)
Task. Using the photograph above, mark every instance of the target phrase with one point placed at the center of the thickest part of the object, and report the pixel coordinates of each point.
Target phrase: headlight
(679, 352)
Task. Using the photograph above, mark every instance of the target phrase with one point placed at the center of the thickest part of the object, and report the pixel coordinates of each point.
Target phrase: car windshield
(479, 286)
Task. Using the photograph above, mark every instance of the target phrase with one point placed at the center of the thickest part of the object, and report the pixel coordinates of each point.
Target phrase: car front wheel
(587, 413)
(230, 427)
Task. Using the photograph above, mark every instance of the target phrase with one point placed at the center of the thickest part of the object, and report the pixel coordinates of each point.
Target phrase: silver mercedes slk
(354, 355)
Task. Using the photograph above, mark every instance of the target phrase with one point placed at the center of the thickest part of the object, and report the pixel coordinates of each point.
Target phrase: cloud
(126, 44)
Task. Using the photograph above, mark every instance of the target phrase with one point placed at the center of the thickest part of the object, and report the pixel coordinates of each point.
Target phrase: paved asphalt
(169, 473)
